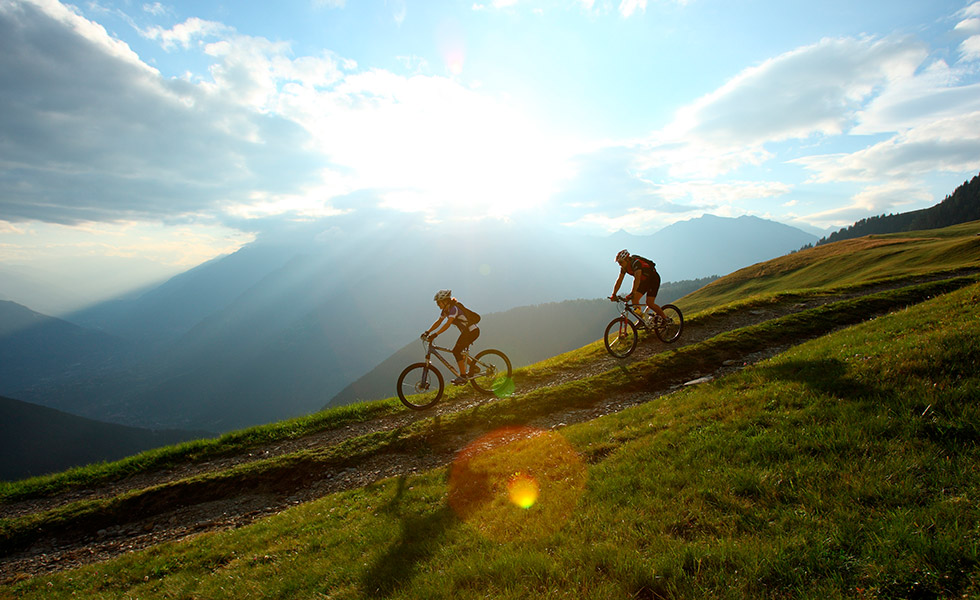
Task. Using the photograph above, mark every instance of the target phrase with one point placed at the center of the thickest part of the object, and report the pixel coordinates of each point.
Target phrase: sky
(139, 139)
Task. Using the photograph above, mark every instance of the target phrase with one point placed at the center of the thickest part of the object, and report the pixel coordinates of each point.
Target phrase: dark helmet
(621, 255)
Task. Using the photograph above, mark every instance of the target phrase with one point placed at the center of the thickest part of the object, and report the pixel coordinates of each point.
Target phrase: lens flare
(503, 387)
(517, 483)
(523, 490)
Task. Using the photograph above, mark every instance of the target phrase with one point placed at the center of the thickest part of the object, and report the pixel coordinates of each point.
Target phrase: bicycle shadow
(420, 537)
(828, 376)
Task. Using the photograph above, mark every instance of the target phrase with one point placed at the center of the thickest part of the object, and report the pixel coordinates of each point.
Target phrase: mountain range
(279, 328)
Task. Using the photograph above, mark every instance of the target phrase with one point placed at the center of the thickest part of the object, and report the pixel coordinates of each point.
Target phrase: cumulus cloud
(814, 90)
(824, 92)
(950, 144)
(888, 197)
(628, 7)
(93, 134)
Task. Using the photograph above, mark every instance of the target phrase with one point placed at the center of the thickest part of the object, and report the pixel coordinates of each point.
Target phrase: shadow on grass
(420, 537)
(827, 376)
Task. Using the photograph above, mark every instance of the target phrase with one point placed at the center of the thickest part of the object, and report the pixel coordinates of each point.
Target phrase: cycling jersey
(459, 318)
(638, 264)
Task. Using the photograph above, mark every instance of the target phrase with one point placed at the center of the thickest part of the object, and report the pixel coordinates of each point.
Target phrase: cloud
(93, 134)
(610, 190)
(814, 90)
(817, 91)
(157, 9)
(628, 7)
(970, 26)
(184, 34)
(827, 92)
(951, 144)
(872, 200)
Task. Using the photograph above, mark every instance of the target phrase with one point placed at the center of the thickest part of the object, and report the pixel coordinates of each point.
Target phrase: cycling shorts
(466, 338)
(650, 284)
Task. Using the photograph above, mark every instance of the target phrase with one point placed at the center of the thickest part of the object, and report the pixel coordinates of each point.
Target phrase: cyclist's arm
(619, 282)
(447, 325)
(434, 325)
(449, 322)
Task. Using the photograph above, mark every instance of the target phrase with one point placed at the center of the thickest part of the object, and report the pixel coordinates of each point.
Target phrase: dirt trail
(239, 506)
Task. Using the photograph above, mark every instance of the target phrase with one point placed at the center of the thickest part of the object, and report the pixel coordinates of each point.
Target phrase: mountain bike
(621, 333)
(421, 384)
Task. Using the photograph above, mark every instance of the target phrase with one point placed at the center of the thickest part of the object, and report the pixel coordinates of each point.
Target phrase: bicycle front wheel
(620, 338)
(670, 330)
(494, 376)
(420, 386)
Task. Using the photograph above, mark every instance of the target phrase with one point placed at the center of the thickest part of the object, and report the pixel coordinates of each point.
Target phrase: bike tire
(416, 388)
(495, 373)
(620, 337)
(668, 333)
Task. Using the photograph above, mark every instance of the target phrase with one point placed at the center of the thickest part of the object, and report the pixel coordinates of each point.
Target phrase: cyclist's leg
(466, 338)
(472, 366)
(651, 287)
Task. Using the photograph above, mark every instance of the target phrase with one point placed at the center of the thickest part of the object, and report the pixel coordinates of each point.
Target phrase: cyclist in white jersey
(452, 313)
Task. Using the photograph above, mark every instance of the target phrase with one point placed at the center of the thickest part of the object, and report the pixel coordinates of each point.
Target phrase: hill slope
(847, 262)
(962, 206)
(35, 440)
(300, 320)
(403, 531)
(36, 349)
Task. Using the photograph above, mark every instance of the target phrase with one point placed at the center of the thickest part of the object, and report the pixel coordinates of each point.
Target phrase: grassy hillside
(844, 467)
(850, 262)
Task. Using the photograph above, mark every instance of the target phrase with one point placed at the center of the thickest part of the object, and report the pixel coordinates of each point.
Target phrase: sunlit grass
(429, 435)
(846, 264)
(843, 468)
(813, 273)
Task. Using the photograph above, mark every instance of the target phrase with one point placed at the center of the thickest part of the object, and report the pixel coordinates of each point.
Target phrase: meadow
(843, 467)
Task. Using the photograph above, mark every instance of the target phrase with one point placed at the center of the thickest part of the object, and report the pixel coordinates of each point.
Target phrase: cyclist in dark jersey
(453, 314)
(646, 280)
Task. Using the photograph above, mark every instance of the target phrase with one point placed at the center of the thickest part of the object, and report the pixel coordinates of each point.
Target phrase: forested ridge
(962, 206)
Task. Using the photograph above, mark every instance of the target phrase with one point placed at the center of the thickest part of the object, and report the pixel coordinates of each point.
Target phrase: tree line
(962, 206)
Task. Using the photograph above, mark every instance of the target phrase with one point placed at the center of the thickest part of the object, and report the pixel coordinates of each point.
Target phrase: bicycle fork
(424, 383)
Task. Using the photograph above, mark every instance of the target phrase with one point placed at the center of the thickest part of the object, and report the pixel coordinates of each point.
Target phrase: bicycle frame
(432, 349)
(630, 309)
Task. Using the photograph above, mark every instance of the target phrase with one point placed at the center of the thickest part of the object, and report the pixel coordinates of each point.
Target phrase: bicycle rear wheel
(495, 373)
(620, 337)
(420, 386)
(670, 330)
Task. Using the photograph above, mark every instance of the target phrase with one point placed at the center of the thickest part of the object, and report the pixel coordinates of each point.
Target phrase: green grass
(194, 451)
(844, 468)
(812, 273)
(429, 435)
(855, 262)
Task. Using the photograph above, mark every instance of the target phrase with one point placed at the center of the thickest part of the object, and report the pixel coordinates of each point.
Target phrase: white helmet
(621, 255)
(443, 295)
